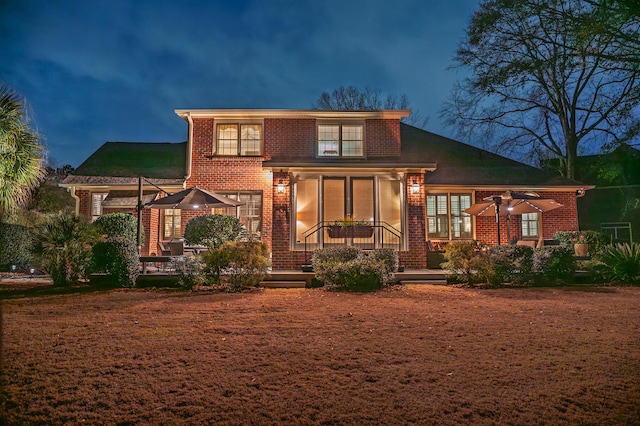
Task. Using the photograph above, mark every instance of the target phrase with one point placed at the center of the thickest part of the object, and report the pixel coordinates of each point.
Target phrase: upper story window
(340, 140)
(239, 139)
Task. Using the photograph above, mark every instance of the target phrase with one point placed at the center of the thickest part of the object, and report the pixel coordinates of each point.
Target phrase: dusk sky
(115, 70)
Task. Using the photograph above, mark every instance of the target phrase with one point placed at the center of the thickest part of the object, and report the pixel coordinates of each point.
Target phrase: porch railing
(324, 234)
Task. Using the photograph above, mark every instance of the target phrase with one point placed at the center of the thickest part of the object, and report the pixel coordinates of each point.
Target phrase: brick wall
(416, 256)
(289, 138)
(382, 138)
(564, 218)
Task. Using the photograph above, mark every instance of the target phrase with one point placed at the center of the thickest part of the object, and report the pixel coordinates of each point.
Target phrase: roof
(292, 113)
(462, 164)
(119, 163)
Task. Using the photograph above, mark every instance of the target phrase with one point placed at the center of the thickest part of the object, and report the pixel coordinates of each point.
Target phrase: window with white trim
(96, 204)
(171, 223)
(446, 218)
(340, 140)
(530, 226)
(249, 213)
(239, 139)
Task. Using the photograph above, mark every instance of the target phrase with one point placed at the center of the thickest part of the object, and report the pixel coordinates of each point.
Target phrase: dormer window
(340, 140)
(239, 139)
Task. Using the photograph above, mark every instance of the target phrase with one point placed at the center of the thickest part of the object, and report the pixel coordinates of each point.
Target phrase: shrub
(553, 264)
(191, 272)
(506, 264)
(118, 257)
(462, 257)
(119, 225)
(212, 230)
(16, 246)
(337, 254)
(237, 265)
(63, 243)
(620, 263)
(348, 269)
(389, 257)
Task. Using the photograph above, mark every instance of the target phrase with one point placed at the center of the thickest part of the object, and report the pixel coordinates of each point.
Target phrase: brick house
(296, 171)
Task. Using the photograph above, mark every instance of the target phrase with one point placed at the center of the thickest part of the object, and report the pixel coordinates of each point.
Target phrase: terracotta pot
(581, 249)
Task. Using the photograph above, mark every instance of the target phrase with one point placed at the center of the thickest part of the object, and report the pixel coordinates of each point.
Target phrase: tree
(21, 152)
(352, 98)
(540, 86)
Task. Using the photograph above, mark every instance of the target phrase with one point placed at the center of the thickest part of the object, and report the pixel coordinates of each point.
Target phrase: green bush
(620, 263)
(337, 254)
(118, 257)
(506, 264)
(552, 264)
(389, 257)
(191, 272)
(119, 225)
(348, 269)
(212, 230)
(237, 265)
(462, 258)
(16, 246)
(63, 244)
(597, 240)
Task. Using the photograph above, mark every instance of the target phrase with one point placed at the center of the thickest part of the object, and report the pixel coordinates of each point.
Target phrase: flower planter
(360, 231)
(581, 249)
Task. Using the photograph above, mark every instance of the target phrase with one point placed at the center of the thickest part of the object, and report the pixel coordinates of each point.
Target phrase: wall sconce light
(415, 187)
(280, 187)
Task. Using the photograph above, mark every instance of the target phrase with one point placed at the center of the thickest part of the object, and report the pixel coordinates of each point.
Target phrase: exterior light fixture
(415, 187)
(32, 271)
(14, 268)
(280, 187)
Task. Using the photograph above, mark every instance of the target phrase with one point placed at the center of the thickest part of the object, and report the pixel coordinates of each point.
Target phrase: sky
(95, 71)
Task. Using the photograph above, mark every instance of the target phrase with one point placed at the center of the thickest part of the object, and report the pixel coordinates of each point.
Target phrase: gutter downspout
(72, 191)
(189, 147)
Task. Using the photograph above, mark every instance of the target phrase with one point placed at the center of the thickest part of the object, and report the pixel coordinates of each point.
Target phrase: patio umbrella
(193, 199)
(509, 203)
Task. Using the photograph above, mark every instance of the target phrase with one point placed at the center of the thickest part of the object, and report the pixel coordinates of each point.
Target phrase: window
(446, 218)
(171, 224)
(340, 140)
(530, 225)
(239, 139)
(250, 213)
(96, 204)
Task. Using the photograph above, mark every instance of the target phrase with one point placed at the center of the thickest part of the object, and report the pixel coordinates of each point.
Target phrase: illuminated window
(239, 139)
(530, 225)
(249, 213)
(171, 224)
(96, 204)
(340, 140)
(446, 218)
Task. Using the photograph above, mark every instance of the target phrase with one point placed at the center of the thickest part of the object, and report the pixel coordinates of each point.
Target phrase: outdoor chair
(164, 250)
(530, 243)
(176, 248)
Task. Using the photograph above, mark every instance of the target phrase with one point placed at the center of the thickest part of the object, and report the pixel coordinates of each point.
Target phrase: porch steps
(283, 284)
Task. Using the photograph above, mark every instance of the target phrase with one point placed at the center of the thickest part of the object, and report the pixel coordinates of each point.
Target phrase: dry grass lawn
(410, 355)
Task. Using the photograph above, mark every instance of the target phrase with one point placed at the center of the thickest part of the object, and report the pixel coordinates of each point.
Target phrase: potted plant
(348, 227)
(581, 245)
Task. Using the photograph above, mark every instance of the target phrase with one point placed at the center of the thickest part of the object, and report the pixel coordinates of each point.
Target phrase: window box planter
(358, 231)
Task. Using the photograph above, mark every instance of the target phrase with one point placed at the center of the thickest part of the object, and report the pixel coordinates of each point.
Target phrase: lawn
(418, 354)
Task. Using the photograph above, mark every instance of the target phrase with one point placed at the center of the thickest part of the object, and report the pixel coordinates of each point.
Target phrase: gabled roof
(119, 162)
(462, 164)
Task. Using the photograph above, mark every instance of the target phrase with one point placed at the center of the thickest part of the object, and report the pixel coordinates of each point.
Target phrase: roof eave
(290, 113)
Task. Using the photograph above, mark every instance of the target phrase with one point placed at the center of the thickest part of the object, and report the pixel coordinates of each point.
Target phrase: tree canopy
(21, 152)
(353, 98)
(544, 83)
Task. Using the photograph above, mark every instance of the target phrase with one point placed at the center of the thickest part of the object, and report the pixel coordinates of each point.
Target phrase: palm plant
(21, 152)
(621, 263)
(64, 246)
